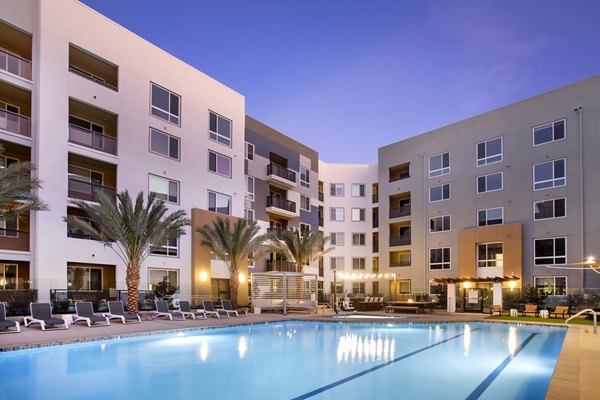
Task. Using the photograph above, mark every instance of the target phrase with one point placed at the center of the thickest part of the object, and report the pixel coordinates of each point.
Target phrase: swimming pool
(296, 360)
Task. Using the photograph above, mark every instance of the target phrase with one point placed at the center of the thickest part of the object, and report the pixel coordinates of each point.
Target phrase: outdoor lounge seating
(41, 313)
(530, 309)
(209, 309)
(5, 324)
(162, 310)
(496, 309)
(84, 311)
(117, 311)
(561, 311)
(228, 308)
(186, 310)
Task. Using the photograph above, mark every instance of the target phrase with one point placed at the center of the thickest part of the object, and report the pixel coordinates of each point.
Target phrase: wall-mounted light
(467, 285)
(512, 284)
(203, 276)
(241, 277)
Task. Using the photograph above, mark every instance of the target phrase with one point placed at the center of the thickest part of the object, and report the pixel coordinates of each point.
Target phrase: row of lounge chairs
(532, 309)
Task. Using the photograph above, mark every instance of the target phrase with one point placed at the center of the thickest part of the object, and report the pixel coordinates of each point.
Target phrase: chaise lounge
(562, 311)
(117, 311)
(5, 324)
(209, 309)
(228, 308)
(162, 310)
(84, 311)
(186, 310)
(41, 313)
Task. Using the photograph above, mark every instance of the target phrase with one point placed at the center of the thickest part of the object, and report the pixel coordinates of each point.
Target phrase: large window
(439, 224)
(304, 203)
(439, 193)
(9, 226)
(550, 174)
(548, 209)
(163, 280)
(358, 239)
(336, 189)
(305, 230)
(358, 190)
(439, 258)
(165, 104)
(336, 213)
(490, 254)
(358, 288)
(337, 238)
(248, 151)
(358, 214)
(249, 214)
(84, 278)
(249, 194)
(336, 263)
(164, 144)
(490, 216)
(304, 177)
(219, 129)
(358, 263)
(549, 132)
(550, 251)
(404, 286)
(8, 276)
(219, 164)
(165, 189)
(439, 165)
(489, 152)
(551, 285)
(219, 203)
(170, 248)
(490, 182)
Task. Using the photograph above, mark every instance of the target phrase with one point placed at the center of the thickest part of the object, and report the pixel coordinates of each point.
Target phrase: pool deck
(575, 376)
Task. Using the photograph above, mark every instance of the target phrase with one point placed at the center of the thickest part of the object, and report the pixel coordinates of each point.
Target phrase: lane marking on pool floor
(490, 378)
(375, 368)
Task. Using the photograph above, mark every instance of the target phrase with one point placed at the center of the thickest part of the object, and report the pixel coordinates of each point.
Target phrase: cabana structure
(284, 291)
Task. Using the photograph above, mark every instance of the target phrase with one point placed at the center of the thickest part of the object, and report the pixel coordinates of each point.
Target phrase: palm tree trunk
(132, 280)
(234, 286)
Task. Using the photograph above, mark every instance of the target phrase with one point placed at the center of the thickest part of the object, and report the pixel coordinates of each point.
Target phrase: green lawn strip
(557, 321)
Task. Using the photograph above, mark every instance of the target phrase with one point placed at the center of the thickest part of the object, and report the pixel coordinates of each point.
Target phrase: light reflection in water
(368, 348)
(242, 346)
(512, 340)
(467, 340)
(202, 351)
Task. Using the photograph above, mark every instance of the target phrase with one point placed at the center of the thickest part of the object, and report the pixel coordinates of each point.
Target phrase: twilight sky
(348, 76)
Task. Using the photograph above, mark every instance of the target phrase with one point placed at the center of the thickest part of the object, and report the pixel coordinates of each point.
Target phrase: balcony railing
(396, 176)
(375, 246)
(402, 211)
(93, 78)
(375, 221)
(400, 263)
(87, 191)
(282, 172)
(15, 65)
(321, 196)
(280, 265)
(376, 198)
(15, 123)
(275, 231)
(273, 201)
(14, 240)
(93, 140)
(63, 300)
(18, 300)
(321, 221)
(402, 240)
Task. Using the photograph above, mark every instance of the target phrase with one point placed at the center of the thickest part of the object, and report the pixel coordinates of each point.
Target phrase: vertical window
(9, 277)
(490, 216)
(219, 129)
(304, 203)
(439, 224)
(164, 144)
(170, 248)
(249, 194)
(219, 203)
(358, 263)
(439, 165)
(84, 278)
(358, 214)
(336, 213)
(489, 152)
(358, 288)
(551, 285)
(490, 182)
(165, 104)
(549, 174)
(547, 209)
(404, 286)
(358, 190)
(219, 164)
(336, 263)
(490, 255)
(358, 239)
(164, 189)
(439, 193)
(304, 177)
(336, 189)
(163, 280)
(549, 132)
(248, 151)
(9, 227)
(337, 238)
(305, 229)
(439, 258)
(550, 251)
(249, 214)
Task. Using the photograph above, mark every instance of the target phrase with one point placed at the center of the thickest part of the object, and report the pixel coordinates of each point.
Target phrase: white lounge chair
(41, 313)
(117, 311)
(162, 310)
(186, 309)
(228, 308)
(209, 309)
(84, 311)
(5, 324)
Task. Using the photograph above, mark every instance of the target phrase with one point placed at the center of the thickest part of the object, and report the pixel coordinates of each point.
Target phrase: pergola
(495, 280)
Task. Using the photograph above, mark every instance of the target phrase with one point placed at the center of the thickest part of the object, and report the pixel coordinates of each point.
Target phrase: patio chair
(186, 309)
(209, 309)
(496, 309)
(228, 308)
(41, 313)
(530, 309)
(5, 324)
(117, 311)
(84, 311)
(346, 305)
(162, 310)
(563, 311)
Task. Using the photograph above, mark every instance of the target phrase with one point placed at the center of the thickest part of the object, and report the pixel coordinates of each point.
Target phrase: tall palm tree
(300, 247)
(130, 230)
(234, 244)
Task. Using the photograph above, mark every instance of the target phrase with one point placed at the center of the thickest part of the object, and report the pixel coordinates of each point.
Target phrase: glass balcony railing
(15, 123)
(403, 211)
(402, 240)
(93, 140)
(87, 191)
(15, 64)
(93, 78)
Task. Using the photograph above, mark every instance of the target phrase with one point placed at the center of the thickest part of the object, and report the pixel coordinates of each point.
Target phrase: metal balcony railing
(376, 198)
(87, 191)
(15, 65)
(321, 221)
(278, 202)
(275, 231)
(93, 78)
(281, 266)
(15, 123)
(11, 239)
(375, 246)
(93, 140)
(402, 240)
(282, 172)
(402, 211)
(321, 196)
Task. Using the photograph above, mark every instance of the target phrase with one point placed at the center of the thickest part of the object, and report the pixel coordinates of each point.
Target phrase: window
(219, 164)
(490, 182)
(249, 194)
(549, 174)
(304, 203)
(337, 238)
(436, 288)
(165, 104)
(251, 260)
(551, 285)
(490, 216)
(549, 132)
(163, 280)
(489, 255)
(84, 278)
(6, 161)
(305, 229)
(439, 258)
(85, 175)
(547, 209)
(304, 177)
(358, 214)
(248, 151)
(170, 248)
(336, 263)
(439, 224)
(400, 259)
(9, 227)
(358, 239)
(550, 251)
(489, 152)
(164, 144)
(336, 213)
(439, 165)
(219, 203)
(219, 129)
(8, 276)
(358, 288)
(249, 214)
(404, 286)
(439, 193)
(86, 125)
(358, 263)
(336, 189)
(164, 189)
(358, 190)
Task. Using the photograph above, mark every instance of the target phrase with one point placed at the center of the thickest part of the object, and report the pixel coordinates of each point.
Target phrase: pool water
(296, 360)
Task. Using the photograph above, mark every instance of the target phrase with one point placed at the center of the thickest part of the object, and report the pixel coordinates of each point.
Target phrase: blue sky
(348, 76)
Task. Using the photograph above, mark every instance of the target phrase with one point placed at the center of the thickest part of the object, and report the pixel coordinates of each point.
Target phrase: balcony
(88, 191)
(15, 110)
(399, 259)
(92, 140)
(281, 266)
(321, 196)
(398, 212)
(281, 176)
(14, 240)
(400, 240)
(92, 127)
(275, 232)
(375, 245)
(281, 207)
(15, 123)
(321, 222)
(15, 65)
(375, 198)
(93, 68)
(399, 172)
(15, 51)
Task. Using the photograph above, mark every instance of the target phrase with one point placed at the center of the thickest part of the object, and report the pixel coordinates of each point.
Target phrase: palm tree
(130, 230)
(301, 247)
(234, 244)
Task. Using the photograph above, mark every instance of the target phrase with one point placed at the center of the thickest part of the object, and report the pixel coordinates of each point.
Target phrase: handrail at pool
(587, 310)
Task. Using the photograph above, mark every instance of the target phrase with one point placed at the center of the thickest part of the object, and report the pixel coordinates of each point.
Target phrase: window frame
(334, 236)
(169, 138)
(565, 277)
(443, 262)
(362, 214)
(335, 209)
(552, 124)
(442, 193)
(359, 235)
(167, 200)
(480, 162)
(247, 212)
(249, 155)
(168, 248)
(554, 256)
(485, 177)
(554, 178)
(443, 170)
(443, 223)
(362, 267)
(217, 194)
(250, 194)
(334, 188)
(217, 135)
(166, 271)
(305, 199)
(488, 261)
(304, 172)
(89, 271)
(553, 208)
(362, 189)
(336, 267)
(167, 112)
(486, 210)
(217, 157)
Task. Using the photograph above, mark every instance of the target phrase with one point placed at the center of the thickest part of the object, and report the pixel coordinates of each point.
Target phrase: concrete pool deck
(575, 376)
